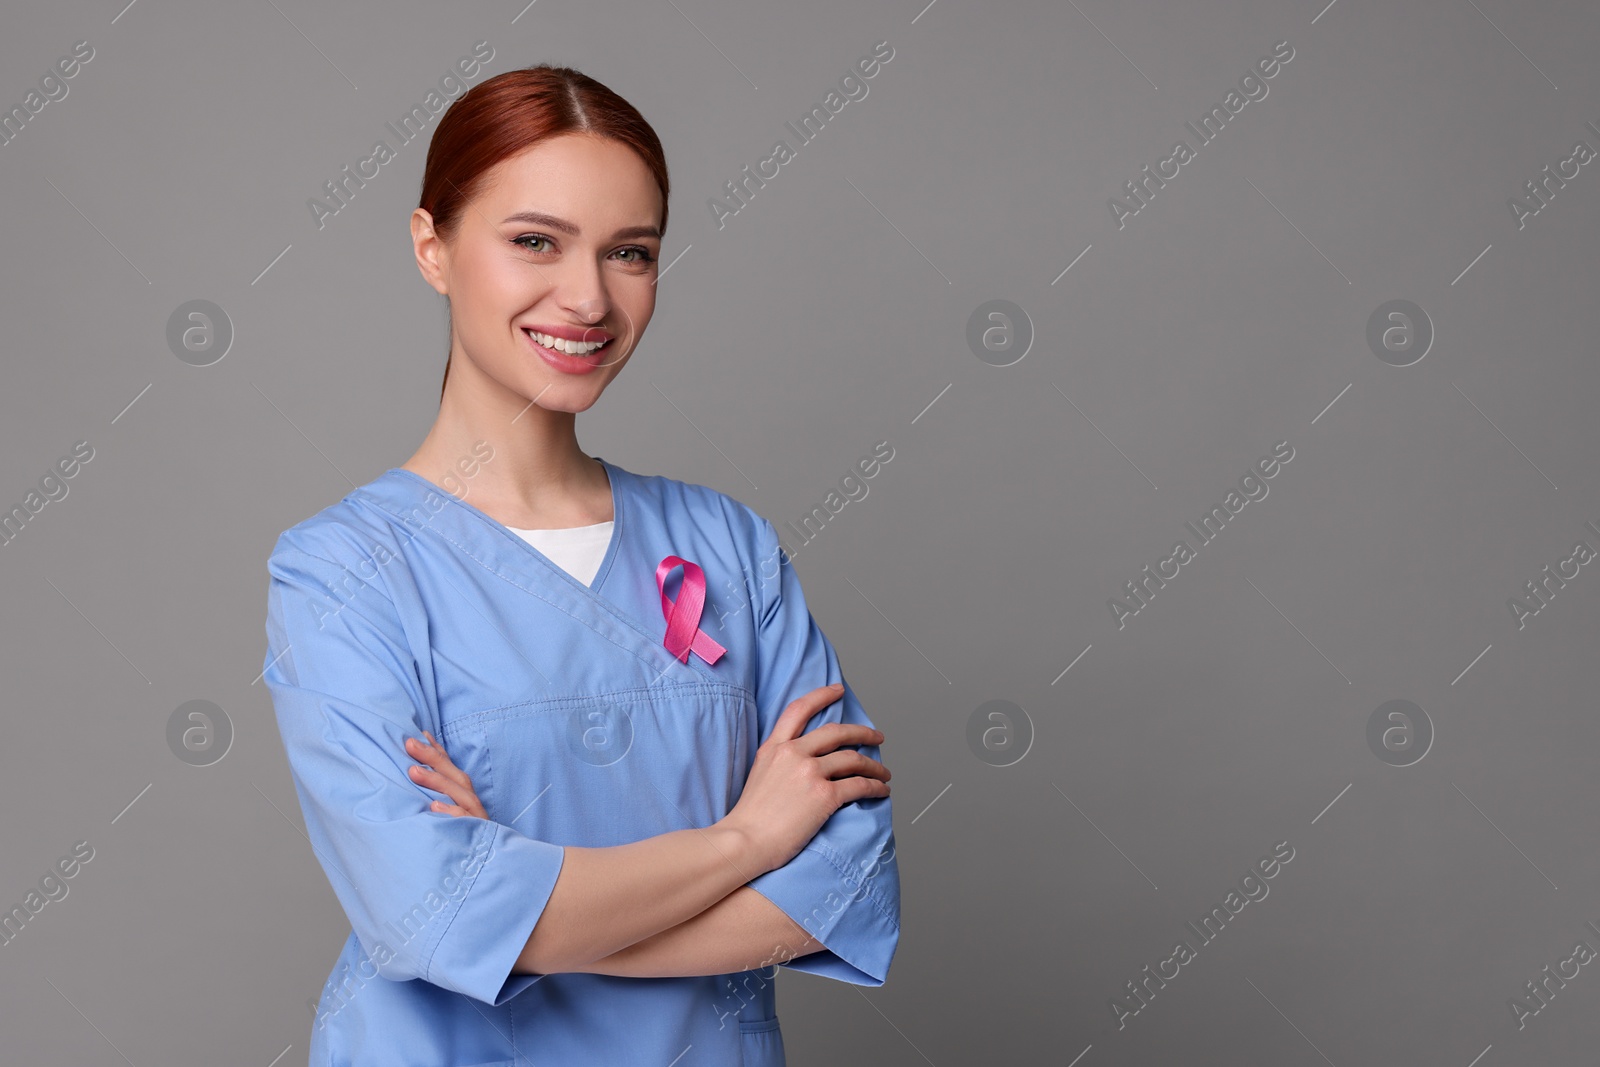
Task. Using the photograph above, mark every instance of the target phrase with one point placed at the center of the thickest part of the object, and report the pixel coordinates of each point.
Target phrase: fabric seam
(828, 854)
(427, 968)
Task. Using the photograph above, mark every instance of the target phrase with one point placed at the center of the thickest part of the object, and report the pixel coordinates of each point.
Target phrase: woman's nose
(590, 310)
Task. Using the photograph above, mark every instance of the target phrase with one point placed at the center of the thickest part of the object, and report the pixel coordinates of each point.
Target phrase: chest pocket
(609, 769)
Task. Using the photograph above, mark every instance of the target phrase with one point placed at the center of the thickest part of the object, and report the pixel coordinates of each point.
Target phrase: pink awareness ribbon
(683, 615)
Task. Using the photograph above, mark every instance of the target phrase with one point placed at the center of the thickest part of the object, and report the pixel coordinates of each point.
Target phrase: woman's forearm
(606, 899)
(742, 931)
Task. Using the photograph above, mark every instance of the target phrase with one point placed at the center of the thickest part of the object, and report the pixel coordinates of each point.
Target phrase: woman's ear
(431, 251)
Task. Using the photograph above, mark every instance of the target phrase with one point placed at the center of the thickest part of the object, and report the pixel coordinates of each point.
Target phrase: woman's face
(577, 268)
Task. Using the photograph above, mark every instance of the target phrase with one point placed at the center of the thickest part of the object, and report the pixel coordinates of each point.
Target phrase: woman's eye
(531, 237)
(641, 256)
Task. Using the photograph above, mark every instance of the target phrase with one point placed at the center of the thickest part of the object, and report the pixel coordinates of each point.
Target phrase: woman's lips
(565, 361)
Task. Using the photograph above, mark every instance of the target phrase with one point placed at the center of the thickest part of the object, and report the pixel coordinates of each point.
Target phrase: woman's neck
(524, 469)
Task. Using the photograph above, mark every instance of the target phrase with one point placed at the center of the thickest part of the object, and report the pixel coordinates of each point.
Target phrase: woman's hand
(441, 775)
(799, 779)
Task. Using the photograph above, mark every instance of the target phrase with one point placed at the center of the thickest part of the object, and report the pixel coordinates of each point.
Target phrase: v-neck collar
(618, 525)
(511, 557)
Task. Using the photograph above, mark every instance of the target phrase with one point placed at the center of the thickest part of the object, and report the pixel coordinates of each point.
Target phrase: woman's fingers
(847, 762)
(792, 722)
(433, 754)
(436, 771)
(831, 735)
(848, 790)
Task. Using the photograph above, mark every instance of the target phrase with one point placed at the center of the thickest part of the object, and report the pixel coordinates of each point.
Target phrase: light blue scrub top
(402, 609)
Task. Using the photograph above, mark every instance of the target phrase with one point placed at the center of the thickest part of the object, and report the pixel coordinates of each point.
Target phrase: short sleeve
(843, 888)
(446, 899)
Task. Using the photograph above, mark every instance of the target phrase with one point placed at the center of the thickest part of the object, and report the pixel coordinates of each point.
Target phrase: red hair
(512, 112)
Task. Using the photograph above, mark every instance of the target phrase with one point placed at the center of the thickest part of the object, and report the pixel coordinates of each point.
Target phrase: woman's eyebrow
(539, 218)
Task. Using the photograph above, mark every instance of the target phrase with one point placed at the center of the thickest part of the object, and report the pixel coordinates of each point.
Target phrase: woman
(551, 744)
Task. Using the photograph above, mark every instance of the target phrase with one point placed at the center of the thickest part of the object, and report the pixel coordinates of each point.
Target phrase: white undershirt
(578, 550)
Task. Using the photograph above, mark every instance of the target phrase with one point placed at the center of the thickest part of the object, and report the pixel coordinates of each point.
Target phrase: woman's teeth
(560, 344)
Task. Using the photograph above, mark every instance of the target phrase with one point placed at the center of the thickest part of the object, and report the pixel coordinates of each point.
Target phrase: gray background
(830, 314)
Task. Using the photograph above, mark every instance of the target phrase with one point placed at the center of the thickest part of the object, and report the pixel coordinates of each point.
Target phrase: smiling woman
(604, 137)
(648, 821)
